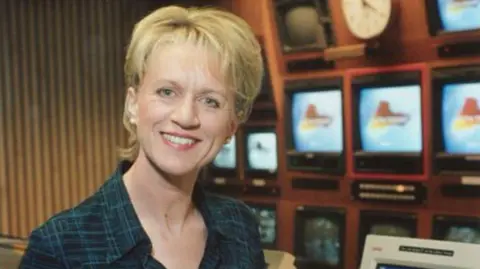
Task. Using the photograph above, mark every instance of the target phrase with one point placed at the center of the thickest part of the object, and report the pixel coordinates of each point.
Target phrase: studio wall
(61, 102)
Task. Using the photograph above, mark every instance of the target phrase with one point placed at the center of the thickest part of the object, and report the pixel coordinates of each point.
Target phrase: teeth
(179, 140)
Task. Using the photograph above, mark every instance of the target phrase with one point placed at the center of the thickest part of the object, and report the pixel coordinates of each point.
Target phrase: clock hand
(367, 3)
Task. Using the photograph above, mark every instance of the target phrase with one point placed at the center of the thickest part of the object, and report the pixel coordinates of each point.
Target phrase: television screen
(317, 124)
(391, 266)
(461, 118)
(267, 220)
(463, 234)
(227, 157)
(262, 151)
(390, 229)
(390, 119)
(459, 15)
(321, 237)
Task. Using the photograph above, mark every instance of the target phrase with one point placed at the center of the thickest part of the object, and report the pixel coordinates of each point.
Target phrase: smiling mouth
(179, 141)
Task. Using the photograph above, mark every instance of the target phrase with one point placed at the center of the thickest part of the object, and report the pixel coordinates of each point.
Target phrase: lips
(179, 141)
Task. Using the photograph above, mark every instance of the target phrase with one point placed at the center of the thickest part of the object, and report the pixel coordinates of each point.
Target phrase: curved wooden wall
(61, 102)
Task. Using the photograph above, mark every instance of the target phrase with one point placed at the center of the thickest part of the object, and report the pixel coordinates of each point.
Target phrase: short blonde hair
(229, 37)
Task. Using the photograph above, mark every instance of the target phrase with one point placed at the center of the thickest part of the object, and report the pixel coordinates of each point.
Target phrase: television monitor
(267, 220)
(316, 121)
(456, 228)
(452, 16)
(314, 125)
(261, 152)
(389, 223)
(456, 114)
(304, 25)
(387, 252)
(387, 118)
(319, 237)
(461, 118)
(225, 163)
(390, 119)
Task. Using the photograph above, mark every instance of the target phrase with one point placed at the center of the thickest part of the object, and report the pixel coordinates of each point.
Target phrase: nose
(185, 114)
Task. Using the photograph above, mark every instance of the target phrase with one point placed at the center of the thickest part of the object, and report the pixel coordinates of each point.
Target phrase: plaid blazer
(104, 232)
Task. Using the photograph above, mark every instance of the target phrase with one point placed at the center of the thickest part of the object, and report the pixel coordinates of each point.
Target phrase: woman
(192, 75)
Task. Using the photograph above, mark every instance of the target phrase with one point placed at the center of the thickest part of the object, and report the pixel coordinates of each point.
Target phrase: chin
(177, 161)
(173, 166)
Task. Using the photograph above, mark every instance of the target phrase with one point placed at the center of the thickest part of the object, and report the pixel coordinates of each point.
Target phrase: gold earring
(228, 140)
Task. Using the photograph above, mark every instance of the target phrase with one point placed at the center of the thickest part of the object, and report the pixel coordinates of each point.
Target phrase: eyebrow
(203, 89)
(172, 82)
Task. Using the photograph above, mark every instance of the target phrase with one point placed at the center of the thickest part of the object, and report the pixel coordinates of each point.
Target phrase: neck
(159, 197)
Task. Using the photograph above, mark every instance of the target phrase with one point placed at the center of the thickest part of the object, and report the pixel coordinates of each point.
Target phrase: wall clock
(367, 19)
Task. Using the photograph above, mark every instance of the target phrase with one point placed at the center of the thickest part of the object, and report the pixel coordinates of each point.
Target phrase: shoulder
(233, 217)
(66, 235)
(239, 228)
(73, 221)
(232, 211)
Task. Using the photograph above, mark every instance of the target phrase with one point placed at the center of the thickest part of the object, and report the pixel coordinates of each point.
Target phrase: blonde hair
(229, 37)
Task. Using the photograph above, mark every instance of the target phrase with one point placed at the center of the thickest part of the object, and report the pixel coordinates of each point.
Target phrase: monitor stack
(363, 147)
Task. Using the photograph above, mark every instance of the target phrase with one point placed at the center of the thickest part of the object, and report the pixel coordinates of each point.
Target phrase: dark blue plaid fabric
(104, 232)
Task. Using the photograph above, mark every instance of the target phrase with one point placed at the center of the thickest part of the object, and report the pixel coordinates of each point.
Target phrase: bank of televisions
(388, 109)
(319, 234)
(266, 214)
(391, 114)
(386, 119)
(389, 125)
(260, 160)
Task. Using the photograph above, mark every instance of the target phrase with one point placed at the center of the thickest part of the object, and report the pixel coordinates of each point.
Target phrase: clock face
(367, 19)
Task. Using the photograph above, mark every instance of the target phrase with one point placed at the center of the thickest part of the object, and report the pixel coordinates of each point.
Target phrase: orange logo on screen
(459, 5)
(384, 117)
(312, 119)
(469, 116)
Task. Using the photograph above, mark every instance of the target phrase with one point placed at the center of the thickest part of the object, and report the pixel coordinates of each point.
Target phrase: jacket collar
(125, 233)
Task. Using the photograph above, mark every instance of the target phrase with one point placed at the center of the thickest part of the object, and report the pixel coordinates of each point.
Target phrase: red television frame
(426, 116)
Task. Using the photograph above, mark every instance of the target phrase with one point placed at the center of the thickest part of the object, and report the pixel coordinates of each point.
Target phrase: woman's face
(183, 111)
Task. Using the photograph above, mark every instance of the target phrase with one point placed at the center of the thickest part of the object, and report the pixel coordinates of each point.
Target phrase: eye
(211, 102)
(165, 92)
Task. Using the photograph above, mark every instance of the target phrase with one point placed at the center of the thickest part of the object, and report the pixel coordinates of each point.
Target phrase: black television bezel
(368, 218)
(266, 90)
(281, 6)
(215, 172)
(442, 222)
(306, 211)
(263, 108)
(381, 80)
(441, 77)
(434, 21)
(267, 205)
(312, 85)
(254, 173)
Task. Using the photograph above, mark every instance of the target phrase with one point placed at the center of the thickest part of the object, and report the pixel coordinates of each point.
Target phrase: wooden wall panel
(61, 102)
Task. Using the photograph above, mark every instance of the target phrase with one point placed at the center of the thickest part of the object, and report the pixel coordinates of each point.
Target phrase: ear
(233, 127)
(131, 105)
